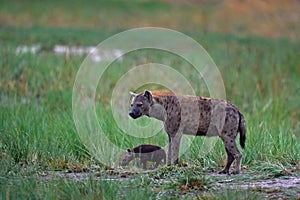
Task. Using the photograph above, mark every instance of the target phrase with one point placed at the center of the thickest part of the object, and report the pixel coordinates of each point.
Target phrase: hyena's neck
(158, 108)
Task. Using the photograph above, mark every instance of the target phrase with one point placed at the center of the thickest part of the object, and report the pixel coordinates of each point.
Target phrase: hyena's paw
(224, 171)
(234, 172)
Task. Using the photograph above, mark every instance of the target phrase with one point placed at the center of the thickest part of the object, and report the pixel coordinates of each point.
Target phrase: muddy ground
(279, 185)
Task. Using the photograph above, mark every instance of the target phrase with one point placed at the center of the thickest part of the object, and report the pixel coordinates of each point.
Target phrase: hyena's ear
(133, 94)
(148, 95)
(128, 150)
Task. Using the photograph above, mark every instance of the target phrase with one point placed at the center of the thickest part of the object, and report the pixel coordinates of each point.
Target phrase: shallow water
(287, 182)
(96, 54)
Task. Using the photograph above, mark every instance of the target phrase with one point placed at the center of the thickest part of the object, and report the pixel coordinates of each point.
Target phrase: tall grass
(38, 133)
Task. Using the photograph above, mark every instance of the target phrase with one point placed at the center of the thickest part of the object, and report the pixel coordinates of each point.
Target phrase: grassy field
(41, 154)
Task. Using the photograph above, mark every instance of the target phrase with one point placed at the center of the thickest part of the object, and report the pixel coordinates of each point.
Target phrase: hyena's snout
(134, 113)
(131, 114)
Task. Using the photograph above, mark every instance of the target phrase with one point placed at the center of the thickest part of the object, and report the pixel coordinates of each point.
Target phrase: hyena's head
(129, 156)
(140, 104)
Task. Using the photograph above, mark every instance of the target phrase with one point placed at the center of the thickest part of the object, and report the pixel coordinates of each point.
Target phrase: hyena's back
(201, 116)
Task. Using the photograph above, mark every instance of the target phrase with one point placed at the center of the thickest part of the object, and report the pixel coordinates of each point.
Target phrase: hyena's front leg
(174, 145)
(169, 150)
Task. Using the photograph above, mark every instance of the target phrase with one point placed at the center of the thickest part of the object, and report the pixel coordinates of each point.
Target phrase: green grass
(38, 133)
(38, 138)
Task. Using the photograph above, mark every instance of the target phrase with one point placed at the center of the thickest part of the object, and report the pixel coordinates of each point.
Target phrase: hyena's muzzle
(134, 113)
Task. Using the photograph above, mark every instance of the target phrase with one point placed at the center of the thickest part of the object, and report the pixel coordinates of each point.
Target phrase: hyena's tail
(242, 130)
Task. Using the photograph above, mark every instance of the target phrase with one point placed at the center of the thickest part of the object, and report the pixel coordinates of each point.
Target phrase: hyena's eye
(131, 105)
(139, 104)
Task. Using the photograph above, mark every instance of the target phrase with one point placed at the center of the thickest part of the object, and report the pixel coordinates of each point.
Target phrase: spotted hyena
(193, 115)
(145, 152)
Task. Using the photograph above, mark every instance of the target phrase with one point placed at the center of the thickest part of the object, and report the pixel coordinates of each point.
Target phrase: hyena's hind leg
(230, 160)
(232, 152)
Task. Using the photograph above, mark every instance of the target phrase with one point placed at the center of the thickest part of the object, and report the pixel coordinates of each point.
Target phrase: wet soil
(283, 187)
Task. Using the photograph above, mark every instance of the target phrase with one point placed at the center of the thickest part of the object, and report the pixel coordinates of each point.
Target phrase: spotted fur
(193, 115)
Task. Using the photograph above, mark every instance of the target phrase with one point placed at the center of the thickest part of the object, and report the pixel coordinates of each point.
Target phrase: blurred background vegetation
(237, 34)
(268, 18)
